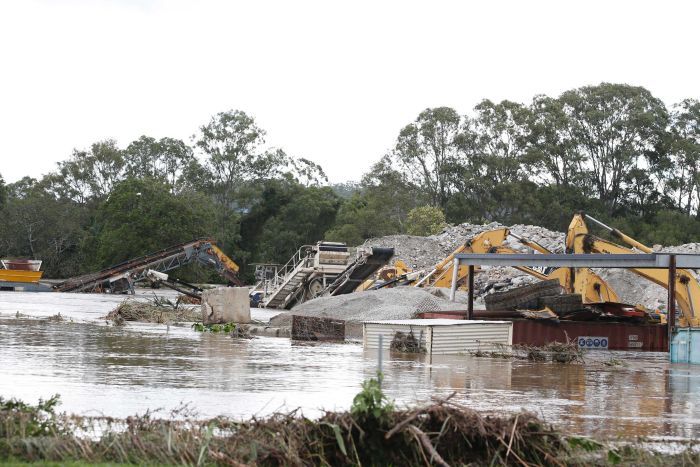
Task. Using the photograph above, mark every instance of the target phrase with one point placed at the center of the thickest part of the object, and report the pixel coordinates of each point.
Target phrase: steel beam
(624, 261)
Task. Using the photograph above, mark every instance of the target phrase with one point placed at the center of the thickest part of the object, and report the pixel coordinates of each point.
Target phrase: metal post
(470, 303)
(379, 354)
(455, 276)
(671, 318)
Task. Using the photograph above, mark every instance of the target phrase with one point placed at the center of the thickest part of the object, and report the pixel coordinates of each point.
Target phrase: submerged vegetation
(557, 352)
(372, 432)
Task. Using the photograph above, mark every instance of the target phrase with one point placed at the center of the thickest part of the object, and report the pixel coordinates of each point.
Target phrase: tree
(142, 215)
(427, 152)
(89, 175)
(683, 175)
(281, 215)
(3, 193)
(552, 147)
(425, 220)
(616, 127)
(231, 142)
(165, 159)
(379, 207)
(36, 225)
(495, 141)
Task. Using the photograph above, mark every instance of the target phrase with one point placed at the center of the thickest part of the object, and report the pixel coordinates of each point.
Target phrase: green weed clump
(21, 420)
(226, 328)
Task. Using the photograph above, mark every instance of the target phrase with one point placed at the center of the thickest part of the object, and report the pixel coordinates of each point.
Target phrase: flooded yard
(119, 371)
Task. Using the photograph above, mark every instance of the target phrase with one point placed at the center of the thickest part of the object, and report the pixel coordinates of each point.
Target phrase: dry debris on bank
(373, 432)
(145, 312)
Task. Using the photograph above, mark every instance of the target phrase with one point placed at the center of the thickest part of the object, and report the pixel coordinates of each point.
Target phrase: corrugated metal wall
(443, 340)
(372, 331)
(621, 336)
(462, 339)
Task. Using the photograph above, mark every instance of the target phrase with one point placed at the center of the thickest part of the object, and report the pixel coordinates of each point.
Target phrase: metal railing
(280, 274)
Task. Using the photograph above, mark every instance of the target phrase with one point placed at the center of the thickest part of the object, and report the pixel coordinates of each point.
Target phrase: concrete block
(226, 305)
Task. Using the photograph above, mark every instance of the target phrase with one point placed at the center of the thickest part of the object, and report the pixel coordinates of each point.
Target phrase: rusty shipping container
(589, 334)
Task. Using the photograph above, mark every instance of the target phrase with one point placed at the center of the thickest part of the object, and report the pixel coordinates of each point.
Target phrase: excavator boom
(581, 280)
(687, 286)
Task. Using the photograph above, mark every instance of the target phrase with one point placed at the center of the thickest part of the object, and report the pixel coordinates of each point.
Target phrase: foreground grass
(373, 432)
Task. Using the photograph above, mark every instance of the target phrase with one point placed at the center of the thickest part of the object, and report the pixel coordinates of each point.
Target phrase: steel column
(470, 303)
(671, 318)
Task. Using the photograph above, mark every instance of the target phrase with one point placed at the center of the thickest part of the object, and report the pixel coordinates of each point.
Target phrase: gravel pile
(396, 303)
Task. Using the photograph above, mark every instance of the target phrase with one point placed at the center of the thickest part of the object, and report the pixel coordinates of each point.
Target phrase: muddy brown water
(123, 371)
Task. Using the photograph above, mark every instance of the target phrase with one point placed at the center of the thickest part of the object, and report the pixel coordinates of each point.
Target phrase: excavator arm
(580, 280)
(224, 265)
(687, 286)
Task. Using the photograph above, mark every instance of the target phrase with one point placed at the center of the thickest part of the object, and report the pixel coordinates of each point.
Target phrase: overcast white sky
(331, 81)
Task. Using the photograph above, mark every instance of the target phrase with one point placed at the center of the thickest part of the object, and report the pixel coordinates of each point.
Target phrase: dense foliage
(612, 150)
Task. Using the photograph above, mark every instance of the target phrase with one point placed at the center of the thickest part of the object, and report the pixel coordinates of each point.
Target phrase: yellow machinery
(388, 274)
(593, 288)
(11, 275)
(20, 271)
(578, 240)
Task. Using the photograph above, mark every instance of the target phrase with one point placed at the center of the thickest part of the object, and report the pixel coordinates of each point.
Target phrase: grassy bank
(373, 432)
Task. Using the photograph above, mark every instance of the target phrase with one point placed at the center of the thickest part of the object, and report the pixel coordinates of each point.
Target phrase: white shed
(441, 336)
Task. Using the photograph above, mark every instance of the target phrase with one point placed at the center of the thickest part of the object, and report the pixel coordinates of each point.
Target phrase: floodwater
(100, 369)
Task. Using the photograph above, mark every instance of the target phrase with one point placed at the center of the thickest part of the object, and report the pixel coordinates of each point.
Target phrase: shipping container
(589, 334)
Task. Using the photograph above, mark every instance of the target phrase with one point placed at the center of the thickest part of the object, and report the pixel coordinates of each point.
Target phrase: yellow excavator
(388, 275)
(579, 240)
(584, 281)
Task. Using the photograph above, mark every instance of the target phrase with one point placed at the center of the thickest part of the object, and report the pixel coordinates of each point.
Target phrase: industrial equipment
(584, 281)
(21, 275)
(687, 288)
(327, 268)
(121, 278)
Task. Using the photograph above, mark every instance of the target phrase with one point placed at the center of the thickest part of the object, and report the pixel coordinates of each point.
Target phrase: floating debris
(146, 312)
(406, 342)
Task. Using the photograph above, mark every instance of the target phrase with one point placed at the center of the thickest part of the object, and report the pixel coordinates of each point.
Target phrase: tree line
(613, 150)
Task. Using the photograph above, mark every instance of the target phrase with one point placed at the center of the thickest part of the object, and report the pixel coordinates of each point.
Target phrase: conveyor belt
(122, 276)
(356, 273)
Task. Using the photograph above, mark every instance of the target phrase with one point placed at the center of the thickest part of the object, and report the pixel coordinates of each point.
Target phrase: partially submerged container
(685, 346)
(441, 336)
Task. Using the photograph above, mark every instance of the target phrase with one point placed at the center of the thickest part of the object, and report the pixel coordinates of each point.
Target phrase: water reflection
(121, 371)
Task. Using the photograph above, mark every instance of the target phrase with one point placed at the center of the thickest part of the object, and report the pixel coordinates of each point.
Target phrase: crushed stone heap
(395, 303)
